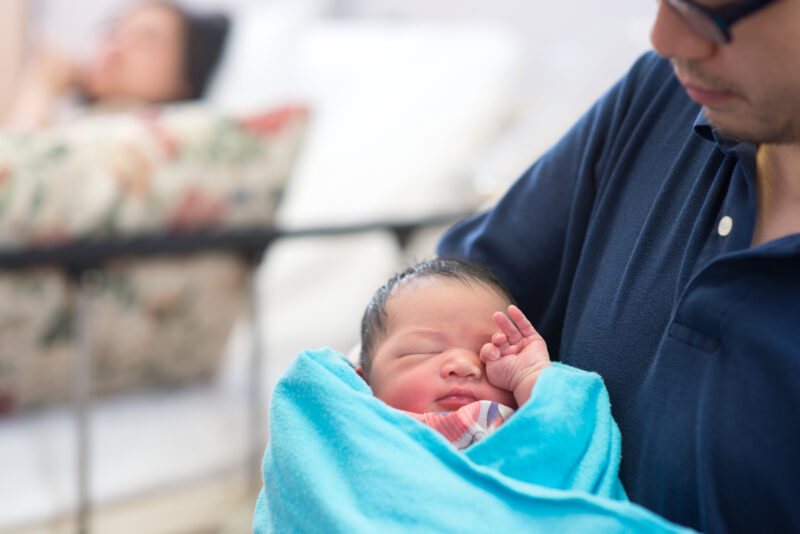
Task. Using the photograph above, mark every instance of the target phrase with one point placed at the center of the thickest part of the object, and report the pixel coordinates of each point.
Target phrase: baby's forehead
(421, 285)
(417, 288)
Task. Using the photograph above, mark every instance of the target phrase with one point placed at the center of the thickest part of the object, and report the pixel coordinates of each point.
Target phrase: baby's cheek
(405, 395)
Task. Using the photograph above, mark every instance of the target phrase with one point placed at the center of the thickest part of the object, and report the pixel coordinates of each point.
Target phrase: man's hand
(516, 354)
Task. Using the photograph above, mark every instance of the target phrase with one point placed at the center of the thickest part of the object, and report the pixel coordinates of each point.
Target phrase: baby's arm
(516, 355)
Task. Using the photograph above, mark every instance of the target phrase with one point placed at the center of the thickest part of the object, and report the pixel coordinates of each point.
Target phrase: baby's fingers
(512, 333)
(499, 339)
(489, 352)
(523, 324)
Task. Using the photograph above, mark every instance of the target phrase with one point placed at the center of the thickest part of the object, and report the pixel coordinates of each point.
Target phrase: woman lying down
(455, 420)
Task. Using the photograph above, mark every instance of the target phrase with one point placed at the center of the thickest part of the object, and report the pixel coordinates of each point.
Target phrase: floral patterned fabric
(155, 322)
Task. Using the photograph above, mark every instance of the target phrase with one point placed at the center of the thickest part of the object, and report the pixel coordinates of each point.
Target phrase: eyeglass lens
(700, 22)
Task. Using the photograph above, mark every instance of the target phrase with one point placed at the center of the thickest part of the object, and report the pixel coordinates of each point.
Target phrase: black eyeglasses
(714, 24)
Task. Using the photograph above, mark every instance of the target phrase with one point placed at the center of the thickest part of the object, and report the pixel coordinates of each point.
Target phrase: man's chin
(753, 131)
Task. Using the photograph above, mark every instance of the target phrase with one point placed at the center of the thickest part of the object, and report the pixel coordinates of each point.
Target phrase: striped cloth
(468, 424)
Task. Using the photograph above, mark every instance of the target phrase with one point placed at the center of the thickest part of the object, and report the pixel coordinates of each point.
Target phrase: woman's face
(141, 59)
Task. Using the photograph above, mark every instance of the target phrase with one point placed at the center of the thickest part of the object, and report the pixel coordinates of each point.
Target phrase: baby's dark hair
(373, 323)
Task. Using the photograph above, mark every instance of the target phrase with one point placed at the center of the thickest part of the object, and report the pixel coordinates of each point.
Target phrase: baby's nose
(462, 364)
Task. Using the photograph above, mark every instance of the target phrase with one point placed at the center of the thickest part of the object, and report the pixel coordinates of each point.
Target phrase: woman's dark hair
(373, 323)
(205, 41)
(204, 37)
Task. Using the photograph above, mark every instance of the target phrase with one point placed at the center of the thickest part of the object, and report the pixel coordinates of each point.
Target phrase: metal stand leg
(255, 383)
(83, 392)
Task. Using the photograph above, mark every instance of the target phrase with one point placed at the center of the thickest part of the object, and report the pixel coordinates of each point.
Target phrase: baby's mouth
(456, 398)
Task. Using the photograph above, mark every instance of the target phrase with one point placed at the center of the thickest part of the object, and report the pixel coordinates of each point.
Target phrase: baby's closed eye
(419, 350)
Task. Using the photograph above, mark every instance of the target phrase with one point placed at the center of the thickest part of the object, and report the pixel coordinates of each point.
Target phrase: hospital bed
(397, 113)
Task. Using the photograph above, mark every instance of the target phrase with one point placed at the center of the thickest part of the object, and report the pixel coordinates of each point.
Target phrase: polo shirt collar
(703, 128)
(706, 130)
(744, 151)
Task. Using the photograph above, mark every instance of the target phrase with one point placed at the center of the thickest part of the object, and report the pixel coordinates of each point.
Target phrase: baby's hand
(516, 355)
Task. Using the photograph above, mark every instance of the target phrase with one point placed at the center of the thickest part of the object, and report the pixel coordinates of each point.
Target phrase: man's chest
(698, 341)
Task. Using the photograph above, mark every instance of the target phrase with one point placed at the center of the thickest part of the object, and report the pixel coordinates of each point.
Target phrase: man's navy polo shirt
(627, 245)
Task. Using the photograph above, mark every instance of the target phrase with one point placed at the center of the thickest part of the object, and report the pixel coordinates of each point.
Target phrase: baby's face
(428, 359)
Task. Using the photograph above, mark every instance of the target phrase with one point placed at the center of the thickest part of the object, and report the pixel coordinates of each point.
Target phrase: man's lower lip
(708, 98)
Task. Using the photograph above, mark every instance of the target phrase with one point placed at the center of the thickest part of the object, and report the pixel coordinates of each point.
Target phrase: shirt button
(725, 226)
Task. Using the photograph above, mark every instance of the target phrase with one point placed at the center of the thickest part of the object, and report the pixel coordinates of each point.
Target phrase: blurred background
(414, 109)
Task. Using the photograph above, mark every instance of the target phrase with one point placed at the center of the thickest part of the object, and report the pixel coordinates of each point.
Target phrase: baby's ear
(360, 371)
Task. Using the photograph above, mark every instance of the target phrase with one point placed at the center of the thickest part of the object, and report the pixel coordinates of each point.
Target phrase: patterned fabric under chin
(468, 424)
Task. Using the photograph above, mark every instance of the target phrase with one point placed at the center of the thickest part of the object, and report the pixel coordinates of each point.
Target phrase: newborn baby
(436, 344)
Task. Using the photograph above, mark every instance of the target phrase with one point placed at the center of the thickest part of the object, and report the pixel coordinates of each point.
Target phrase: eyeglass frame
(722, 17)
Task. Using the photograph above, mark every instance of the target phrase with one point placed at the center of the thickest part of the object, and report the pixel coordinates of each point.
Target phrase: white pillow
(400, 111)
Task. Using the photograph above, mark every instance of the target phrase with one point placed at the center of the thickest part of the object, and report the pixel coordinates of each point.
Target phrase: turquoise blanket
(340, 460)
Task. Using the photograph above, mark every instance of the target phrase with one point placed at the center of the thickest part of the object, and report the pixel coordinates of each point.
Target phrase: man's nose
(460, 363)
(672, 37)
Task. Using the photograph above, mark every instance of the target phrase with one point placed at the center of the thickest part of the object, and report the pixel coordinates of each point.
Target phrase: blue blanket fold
(340, 460)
